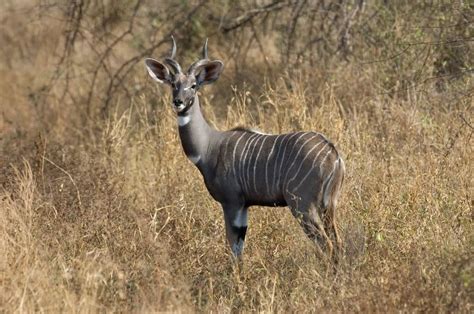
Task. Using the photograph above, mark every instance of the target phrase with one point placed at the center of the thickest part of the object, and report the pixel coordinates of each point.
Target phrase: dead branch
(249, 15)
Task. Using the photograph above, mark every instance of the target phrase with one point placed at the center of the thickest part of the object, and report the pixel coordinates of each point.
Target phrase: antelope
(242, 167)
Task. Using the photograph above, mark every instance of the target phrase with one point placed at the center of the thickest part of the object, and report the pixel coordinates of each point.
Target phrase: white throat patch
(183, 120)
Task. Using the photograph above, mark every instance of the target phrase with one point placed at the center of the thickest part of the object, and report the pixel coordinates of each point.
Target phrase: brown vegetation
(100, 209)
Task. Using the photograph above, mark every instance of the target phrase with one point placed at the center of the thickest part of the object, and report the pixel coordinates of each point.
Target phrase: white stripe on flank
(183, 120)
(266, 165)
(233, 155)
(312, 167)
(253, 144)
(243, 159)
(256, 144)
(296, 157)
(255, 164)
(302, 162)
(283, 159)
(322, 162)
(274, 185)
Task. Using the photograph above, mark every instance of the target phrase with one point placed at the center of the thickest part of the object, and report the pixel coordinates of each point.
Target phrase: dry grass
(111, 216)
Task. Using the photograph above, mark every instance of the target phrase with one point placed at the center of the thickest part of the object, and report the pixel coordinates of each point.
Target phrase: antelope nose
(177, 102)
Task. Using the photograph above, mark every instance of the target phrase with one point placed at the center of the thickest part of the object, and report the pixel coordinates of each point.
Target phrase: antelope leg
(235, 217)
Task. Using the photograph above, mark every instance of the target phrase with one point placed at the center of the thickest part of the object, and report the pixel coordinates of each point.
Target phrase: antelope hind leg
(313, 226)
(329, 220)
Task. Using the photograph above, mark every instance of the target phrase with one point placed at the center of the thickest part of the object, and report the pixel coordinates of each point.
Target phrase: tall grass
(147, 235)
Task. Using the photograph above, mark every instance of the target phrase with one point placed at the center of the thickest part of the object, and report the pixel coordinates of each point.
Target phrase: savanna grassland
(100, 210)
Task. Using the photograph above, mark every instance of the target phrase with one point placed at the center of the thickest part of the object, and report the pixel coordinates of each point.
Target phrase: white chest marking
(194, 159)
(183, 120)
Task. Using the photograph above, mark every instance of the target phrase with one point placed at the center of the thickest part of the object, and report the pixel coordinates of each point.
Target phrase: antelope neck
(195, 133)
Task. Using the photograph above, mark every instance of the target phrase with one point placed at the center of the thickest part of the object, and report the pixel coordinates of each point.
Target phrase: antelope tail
(332, 186)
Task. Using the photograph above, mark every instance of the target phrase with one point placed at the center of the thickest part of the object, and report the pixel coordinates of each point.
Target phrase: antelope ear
(158, 71)
(209, 72)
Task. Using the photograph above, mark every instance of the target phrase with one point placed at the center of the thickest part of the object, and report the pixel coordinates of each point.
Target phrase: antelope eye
(193, 86)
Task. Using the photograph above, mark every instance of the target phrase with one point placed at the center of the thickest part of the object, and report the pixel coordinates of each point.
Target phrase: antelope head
(184, 85)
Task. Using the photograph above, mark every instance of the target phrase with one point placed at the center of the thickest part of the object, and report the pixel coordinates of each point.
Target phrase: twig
(466, 122)
(292, 28)
(249, 15)
(260, 46)
(106, 53)
(70, 177)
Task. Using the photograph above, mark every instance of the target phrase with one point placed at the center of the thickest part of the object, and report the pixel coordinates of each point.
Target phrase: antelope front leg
(236, 227)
